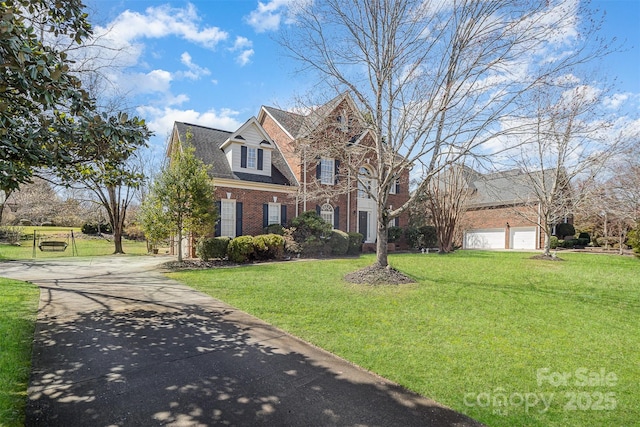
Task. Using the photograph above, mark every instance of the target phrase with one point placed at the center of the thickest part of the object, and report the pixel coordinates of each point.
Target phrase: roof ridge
(204, 127)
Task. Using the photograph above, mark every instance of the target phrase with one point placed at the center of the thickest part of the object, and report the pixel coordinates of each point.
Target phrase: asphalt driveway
(119, 344)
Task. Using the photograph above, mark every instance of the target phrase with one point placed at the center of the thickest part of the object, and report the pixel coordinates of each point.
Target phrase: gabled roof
(208, 142)
(503, 188)
(299, 126)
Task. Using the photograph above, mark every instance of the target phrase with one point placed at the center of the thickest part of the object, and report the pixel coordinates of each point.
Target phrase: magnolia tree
(433, 78)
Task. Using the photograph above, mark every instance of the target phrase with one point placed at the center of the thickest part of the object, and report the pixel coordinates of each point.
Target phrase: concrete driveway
(119, 344)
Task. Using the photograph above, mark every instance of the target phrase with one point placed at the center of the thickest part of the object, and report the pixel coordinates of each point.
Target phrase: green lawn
(19, 302)
(85, 246)
(558, 340)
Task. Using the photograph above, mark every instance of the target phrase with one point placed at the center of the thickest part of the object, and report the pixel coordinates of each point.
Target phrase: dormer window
(252, 157)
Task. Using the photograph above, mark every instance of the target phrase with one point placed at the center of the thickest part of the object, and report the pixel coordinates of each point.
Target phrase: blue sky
(215, 62)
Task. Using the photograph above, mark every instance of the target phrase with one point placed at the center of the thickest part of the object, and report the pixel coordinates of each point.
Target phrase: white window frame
(326, 213)
(228, 218)
(393, 186)
(364, 183)
(252, 158)
(327, 172)
(273, 214)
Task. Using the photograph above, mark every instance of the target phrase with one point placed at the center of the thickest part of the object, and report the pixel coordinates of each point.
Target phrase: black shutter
(260, 158)
(336, 166)
(265, 215)
(243, 157)
(336, 218)
(218, 230)
(396, 221)
(238, 218)
(283, 215)
(318, 210)
(319, 169)
(397, 186)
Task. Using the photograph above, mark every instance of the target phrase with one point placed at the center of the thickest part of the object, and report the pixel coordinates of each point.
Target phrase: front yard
(501, 337)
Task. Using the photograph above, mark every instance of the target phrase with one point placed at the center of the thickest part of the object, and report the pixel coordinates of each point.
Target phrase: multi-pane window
(326, 171)
(326, 213)
(274, 213)
(364, 183)
(228, 218)
(252, 157)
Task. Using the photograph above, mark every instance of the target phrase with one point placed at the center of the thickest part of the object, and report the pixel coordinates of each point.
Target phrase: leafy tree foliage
(37, 92)
(181, 198)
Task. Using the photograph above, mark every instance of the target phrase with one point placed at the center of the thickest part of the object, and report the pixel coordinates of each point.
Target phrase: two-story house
(280, 164)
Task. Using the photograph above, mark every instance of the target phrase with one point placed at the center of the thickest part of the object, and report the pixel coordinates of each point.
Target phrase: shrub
(274, 229)
(553, 242)
(240, 249)
(11, 234)
(355, 243)
(421, 237)
(268, 246)
(92, 228)
(309, 224)
(339, 242)
(565, 230)
(393, 234)
(570, 243)
(585, 236)
(291, 247)
(633, 240)
(212, 247)
(134, 232)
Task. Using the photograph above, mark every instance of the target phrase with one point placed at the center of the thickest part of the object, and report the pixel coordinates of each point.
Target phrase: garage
(522, 238)
(484, 239)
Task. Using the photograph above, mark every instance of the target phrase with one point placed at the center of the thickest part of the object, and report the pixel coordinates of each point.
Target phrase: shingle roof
(207, 142)
(291, 122)
(502, 188)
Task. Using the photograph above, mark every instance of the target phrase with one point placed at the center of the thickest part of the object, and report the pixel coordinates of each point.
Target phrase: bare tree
(447, 195)
(566, 147)
(433, 78)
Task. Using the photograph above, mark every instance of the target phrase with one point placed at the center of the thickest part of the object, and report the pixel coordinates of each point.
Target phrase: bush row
(241, 249)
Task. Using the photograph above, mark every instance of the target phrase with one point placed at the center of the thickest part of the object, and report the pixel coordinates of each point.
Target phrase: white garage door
(523, 238)
(484, 239)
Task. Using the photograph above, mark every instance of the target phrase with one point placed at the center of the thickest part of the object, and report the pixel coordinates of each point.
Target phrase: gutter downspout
(349, 194)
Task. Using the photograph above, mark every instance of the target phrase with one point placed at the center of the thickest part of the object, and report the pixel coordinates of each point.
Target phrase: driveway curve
(119, 344)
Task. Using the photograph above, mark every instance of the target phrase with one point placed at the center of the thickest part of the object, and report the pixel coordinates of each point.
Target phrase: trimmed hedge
(241, 249)
(268, 246)
(355, 243)
(339, 242)
(209, 248)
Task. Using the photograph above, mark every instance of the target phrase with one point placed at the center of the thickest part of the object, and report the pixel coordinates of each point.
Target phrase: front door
(363, 223)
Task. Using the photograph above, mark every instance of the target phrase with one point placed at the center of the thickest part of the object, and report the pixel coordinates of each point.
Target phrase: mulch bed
(377, 275)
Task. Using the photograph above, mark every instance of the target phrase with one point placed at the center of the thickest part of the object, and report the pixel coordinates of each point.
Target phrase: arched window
(326, 212)
(364, 183)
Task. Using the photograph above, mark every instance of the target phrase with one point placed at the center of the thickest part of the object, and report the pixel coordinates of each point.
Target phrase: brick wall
(252, 205)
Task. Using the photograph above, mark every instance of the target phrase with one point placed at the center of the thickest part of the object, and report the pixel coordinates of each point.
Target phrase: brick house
(262, 175)
(325, 183)
(503, 212)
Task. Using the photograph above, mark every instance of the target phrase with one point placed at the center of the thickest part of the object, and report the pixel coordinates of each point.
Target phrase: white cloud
(159, 22)
(195, 71)
(245, 57)
(616, 100)
(160, 120)
(268, 16)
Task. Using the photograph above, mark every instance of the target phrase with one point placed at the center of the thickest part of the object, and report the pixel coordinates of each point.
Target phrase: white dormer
(248, 150)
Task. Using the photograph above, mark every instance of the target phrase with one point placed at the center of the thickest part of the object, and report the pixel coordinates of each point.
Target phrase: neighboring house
(503, 212)
(326, 184)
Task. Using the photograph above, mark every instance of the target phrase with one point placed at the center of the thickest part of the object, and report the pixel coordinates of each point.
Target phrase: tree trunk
(117, 240)
(382, 252)
(180, 244)
(547, 240)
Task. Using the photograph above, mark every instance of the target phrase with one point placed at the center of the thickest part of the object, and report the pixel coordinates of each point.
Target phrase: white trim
(258, 186)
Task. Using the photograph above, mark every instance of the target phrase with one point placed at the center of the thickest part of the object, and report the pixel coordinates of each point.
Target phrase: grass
(86, 246)
(477, 328)
(17, 322)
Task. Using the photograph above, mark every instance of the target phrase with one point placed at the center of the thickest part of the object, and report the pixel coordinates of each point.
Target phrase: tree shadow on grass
(149, 364)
